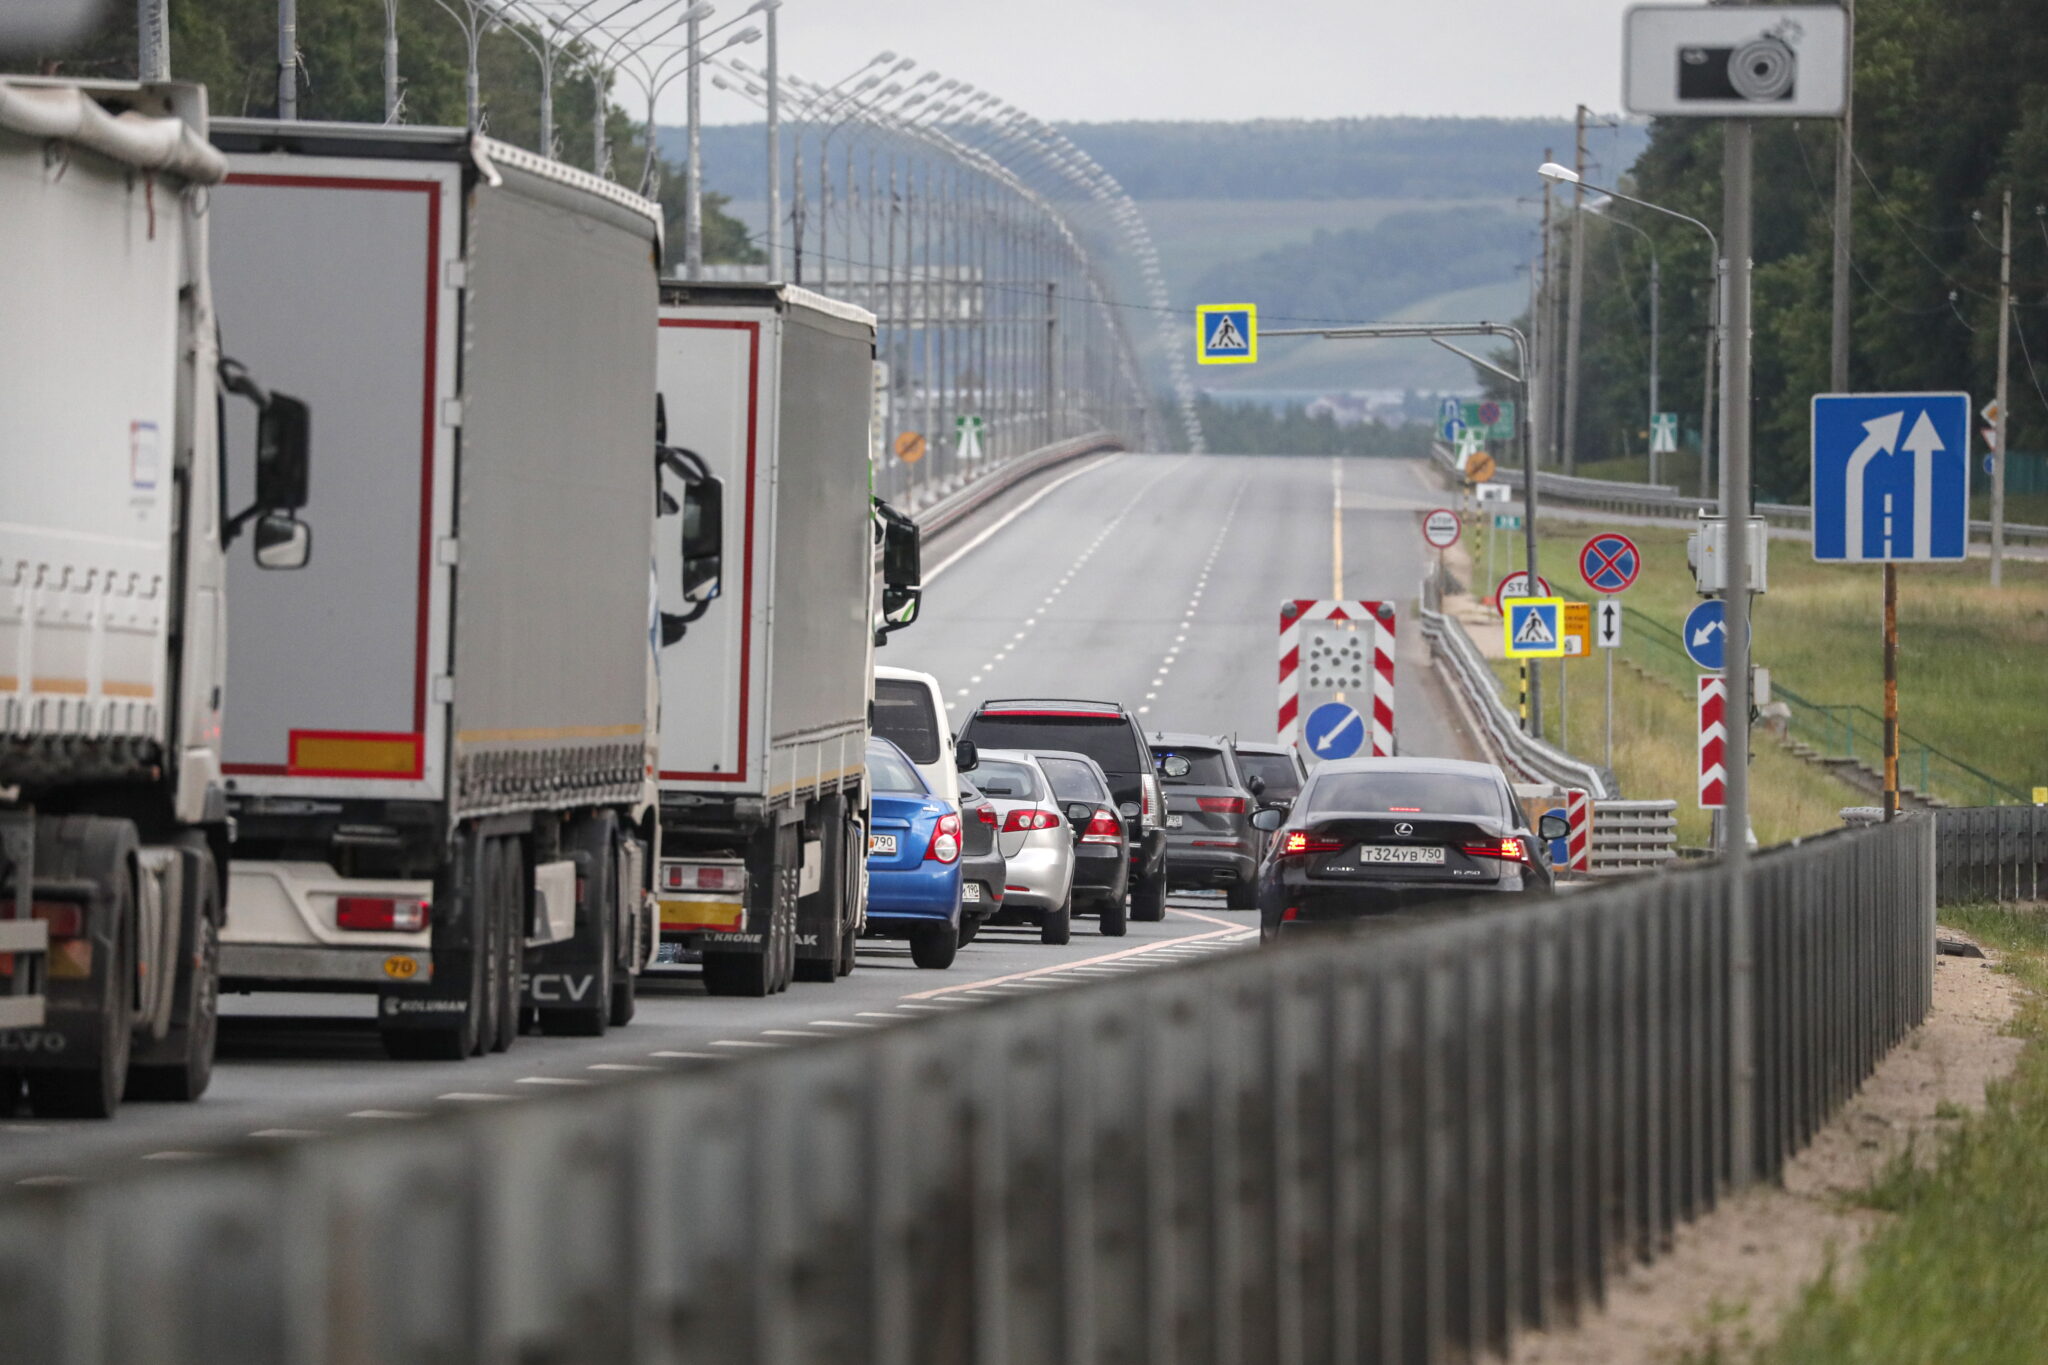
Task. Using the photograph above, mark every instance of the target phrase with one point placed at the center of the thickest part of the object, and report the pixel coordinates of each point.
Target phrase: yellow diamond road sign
(1227, 334)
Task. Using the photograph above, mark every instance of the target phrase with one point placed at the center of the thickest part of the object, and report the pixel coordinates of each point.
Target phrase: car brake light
(1103, 828)
(1025, 819)
(1300, 842)
(1511, 849)
(945, 842)
(1221, 805)
(61, 919)
(1406, 810)
(392, 914)
(1150, 811)
(1290, 914)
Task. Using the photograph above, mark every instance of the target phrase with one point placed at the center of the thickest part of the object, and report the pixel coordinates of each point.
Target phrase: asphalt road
(1151, 579)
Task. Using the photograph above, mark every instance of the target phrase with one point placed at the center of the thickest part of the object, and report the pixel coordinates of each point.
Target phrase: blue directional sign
(1560, 849)
(1334, 730)
(1706, 634)
(1891, 476)
(1227, 334)
(1450, 419)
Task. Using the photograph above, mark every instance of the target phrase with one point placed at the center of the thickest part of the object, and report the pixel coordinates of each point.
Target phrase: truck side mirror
(283, 442)
(282, 541)
(703, 538)
(902, 571)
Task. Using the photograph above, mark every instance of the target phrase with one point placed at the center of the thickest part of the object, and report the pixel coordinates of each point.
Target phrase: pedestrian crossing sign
(1227, 334)
(1534, 627)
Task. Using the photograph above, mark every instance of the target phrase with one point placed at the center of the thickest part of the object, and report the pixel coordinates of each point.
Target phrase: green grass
(1971, 658)
(1960, 1275)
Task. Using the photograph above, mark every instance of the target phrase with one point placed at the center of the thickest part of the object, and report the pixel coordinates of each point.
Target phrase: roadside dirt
(1731, 1275)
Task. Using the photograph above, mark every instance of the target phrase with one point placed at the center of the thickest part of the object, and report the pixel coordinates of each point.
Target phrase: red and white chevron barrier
(1713, 740)
(1578, 839)
(1379, 707)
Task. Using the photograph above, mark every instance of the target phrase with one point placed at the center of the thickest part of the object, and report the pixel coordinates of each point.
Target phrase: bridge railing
(1401, 1146)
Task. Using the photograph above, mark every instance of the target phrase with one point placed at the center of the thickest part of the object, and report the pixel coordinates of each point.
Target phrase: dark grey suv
(1209, 836)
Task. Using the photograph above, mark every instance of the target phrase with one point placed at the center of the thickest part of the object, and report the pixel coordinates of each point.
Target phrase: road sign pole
(1610, 710)
(1738, 182)
(1891, 690)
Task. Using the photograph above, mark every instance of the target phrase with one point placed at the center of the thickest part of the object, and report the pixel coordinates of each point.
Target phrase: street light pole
(774, 94)
(693, 174)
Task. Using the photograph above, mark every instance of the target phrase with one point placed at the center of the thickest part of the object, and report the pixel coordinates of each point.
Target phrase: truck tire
(463, 1038)
(934, 949)
(90, 848)
(849, 939)
(593, 837)
(1112, 918)
(1148, 899)
(180, 1064)
(510, 908)
(1058, 925)
(625, 1001)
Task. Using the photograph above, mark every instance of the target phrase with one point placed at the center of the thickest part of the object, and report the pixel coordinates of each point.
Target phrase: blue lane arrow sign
(1706, 634)
(1891, 476)
(1334, 730)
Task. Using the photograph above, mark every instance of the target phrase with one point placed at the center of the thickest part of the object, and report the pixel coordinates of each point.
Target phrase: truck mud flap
(432, 1006)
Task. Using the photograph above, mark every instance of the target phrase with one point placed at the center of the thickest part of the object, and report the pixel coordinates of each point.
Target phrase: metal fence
(1999, 853)
(1396, 1147)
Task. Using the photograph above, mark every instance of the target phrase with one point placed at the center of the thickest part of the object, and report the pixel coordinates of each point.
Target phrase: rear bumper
(1199, 865)
(1039, 876)
(1101, 871)
(270, 967)
(279, 937)
(925, 895)
(1320, 904)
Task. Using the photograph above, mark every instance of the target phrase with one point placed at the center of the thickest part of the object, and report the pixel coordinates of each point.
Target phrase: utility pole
(153, 40)
(1575, 306)
(1656, 294)
(2004, 395)
(288, 61)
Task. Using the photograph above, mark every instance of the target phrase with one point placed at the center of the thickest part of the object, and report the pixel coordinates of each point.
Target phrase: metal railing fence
(1999, 853)
(1396, 1147)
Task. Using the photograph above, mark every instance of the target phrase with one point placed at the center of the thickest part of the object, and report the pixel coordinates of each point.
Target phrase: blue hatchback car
(913, 859)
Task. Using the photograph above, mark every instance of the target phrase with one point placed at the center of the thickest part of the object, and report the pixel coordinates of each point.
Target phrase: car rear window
(1072, 780)
(905, 716)
(1108, 741)
(889, 773)
(1206, 767)
(1007, 781)
(1405, 793)
(1275, 770)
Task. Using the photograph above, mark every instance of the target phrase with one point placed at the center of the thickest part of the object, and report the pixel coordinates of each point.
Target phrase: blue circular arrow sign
(1334, 730)
(1706, 634)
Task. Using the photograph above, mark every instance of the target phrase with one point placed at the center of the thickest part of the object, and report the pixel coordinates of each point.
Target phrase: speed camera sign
(1736, 61)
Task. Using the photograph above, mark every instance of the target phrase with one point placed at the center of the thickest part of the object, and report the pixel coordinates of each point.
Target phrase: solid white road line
(554, 1080)
(387, 1114)
(950, 560)
(1059, 967)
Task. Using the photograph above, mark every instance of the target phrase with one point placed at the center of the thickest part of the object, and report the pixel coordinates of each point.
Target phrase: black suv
(1107, 733)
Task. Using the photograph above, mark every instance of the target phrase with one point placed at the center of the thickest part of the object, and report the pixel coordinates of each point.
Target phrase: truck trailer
(440, 739)
(766, 690)
(114, 531)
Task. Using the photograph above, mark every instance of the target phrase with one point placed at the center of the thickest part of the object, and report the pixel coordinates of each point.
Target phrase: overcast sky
(1086, 60)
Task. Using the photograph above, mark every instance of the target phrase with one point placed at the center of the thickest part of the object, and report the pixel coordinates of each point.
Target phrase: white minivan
(911, 711)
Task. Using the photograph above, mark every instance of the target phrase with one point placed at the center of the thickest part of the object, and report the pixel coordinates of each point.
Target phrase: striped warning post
(1381, 614)
(1713, 740)
(1578, 839)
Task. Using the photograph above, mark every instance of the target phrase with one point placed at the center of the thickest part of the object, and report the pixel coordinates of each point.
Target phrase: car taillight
(400, 914)
(1103, 828)
(1221, 805)
(1022, 819)
(945, 843)
(1147, 786)
(1513, 850)
(1300, 842)
(1290, 914)
(987, 816)
(61, 919)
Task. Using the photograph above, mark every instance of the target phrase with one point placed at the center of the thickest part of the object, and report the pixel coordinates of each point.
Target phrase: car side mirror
(1256, 786)
(1269, 819)
(283, 447)
(966, 758)
(282, 541)
(1130, 810)
(1552, 827)
(1080, 812)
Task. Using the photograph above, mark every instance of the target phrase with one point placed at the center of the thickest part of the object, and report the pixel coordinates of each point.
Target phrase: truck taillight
(1027, 819)
(722, 877)
(62, 919)
(945, 842)
(1221, 805)
(403, 915)
(1103, 828)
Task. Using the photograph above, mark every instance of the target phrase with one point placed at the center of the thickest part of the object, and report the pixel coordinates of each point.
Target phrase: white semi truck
(440, 738)
(766, 691)
(114, 532)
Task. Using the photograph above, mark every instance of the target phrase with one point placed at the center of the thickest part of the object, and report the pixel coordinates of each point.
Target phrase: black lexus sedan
(1373, 837)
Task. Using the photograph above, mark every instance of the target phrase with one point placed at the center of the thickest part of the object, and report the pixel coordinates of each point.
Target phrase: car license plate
(881, 843)
(970, 892)
(1398, 853)
(1175, 821)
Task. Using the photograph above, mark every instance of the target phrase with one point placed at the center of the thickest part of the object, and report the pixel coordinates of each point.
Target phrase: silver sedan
(1036, 841)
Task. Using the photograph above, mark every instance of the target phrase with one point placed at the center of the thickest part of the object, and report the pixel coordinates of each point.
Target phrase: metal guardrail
(1400, 1146)
(977, 492)
(1996, 853)
(1532, 758)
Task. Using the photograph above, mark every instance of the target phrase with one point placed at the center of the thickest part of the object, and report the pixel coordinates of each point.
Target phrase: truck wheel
(509, 909)
(179, 1066)
(744, 974)
(1148, 899)
(1112, 917)
(456, 1041)
(934, 949)
(590, 1019)
(625, 1002)
(849, 937)
(91, 848)
(1057, 927)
